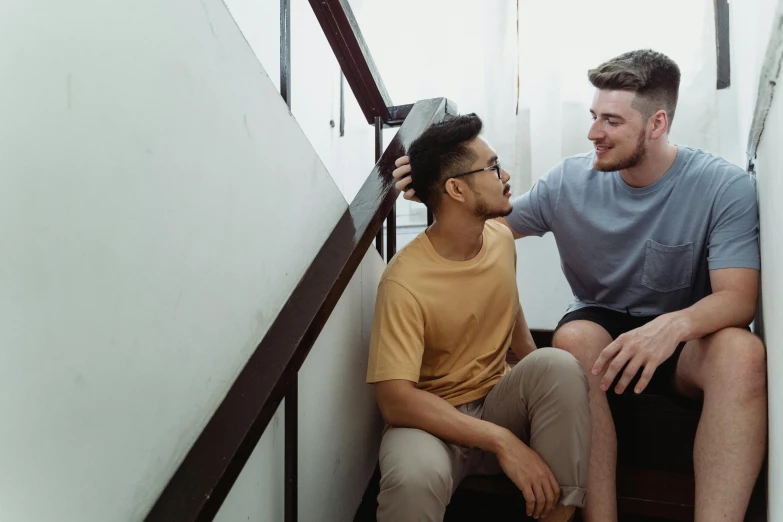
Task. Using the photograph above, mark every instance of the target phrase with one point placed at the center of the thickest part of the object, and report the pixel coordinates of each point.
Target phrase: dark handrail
(205, 477)
(342, 31)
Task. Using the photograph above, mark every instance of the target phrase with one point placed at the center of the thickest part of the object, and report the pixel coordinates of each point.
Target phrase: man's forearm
(712, 313)
(425, 411)
(522, 343)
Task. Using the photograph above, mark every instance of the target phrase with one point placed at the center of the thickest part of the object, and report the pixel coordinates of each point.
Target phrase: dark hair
(653, 76)
(441, 151)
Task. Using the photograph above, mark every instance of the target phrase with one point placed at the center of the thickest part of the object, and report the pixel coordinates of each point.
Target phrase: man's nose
(505, 176)
(595, 132)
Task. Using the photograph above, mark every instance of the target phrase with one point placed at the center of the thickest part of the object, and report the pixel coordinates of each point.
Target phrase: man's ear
(660, 124)
(455, 190)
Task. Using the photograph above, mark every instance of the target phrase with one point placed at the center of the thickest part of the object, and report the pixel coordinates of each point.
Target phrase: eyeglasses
(495, 167)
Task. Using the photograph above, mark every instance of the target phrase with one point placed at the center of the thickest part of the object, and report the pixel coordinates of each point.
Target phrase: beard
(483, 211)
(632, 160)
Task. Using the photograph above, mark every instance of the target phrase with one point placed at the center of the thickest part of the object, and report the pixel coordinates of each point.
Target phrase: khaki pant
(543, 401)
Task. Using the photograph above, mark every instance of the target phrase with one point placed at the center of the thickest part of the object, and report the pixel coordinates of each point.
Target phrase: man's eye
(611, 122)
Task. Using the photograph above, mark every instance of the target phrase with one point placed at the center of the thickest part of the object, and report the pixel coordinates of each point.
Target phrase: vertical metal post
(391, 233)
(342, 104)
(291, 451)
(291, 474)
(378, 151)
(285, 51)
(723, 42)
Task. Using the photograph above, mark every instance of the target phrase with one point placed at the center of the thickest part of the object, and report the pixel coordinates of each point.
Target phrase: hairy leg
(585, 340)
(727, 369)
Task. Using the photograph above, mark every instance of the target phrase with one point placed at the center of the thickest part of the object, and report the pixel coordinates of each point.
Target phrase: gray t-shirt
(645, 251)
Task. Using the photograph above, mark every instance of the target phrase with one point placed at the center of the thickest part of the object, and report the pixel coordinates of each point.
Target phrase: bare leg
(560, 514)
(585, 340)
(729, 369)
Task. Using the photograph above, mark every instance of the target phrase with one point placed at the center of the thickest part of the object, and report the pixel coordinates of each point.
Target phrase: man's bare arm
(735, 293)
(522, 342)
(403, 405)
(732, 303)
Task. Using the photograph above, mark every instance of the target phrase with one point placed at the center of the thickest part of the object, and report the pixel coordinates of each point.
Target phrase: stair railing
(204, 478)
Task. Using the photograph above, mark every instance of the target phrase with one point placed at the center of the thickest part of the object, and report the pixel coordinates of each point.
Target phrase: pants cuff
(572, 496)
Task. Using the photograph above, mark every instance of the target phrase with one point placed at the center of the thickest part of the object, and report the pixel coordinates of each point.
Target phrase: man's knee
(417, 476)
(556, 361)
(583, 339)
(416, 469)
(414, 488)
(556, 393)
(736, 358)
(561, 370)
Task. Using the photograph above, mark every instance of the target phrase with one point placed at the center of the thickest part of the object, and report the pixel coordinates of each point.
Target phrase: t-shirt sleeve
(734, 237)
(534, 212)
(397, 339)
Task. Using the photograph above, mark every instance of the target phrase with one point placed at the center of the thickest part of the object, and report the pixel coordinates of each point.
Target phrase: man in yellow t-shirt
(446, 314)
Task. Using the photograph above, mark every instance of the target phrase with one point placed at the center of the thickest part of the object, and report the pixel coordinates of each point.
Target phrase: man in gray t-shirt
(648, 250)
(660, 246)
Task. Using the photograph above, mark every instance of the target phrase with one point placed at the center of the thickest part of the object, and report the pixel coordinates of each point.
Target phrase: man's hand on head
(402, 175)
(646, 347)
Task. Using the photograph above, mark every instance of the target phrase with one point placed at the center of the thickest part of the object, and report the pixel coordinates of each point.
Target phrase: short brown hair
(653, 76)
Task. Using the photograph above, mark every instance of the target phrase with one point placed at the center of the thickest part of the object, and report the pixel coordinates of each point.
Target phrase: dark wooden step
(654, 431)
(478, 499)
(654, 475)
(664, 495)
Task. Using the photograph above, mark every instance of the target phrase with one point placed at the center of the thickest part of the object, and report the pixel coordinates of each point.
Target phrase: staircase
(654, 475)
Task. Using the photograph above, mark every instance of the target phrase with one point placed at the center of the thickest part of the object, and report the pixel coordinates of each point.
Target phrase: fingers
(402, 160)
(555, 488)
(401, 172)
(402, 175)
(628, 374)
(614, 368)
(549, 495)
(647, 374)
(402, 185)
(410, 195)
(530, 499)
(540, 499)
(606, 355)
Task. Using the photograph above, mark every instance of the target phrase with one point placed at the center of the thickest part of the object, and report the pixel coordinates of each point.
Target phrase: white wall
(339, 423)
(258, 495)
(770, 187)
(751, 24)
(315, 87)
(147, 161)
(751, 28)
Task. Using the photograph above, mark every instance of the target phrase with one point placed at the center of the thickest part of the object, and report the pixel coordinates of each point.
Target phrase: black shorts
(617, 323)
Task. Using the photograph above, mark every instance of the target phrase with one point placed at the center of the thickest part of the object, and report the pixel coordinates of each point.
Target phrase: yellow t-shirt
(446, 325)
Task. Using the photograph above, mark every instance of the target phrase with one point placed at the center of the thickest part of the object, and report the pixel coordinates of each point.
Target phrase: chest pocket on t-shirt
(667, 268)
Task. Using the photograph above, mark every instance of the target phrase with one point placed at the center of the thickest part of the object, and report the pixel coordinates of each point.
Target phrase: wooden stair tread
(676, 489)
(655, 464)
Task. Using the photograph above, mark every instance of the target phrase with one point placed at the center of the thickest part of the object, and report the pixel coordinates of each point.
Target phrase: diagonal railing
(204, 478)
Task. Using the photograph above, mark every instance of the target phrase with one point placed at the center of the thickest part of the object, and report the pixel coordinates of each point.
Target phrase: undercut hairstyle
(440, 152)
(653, 76)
